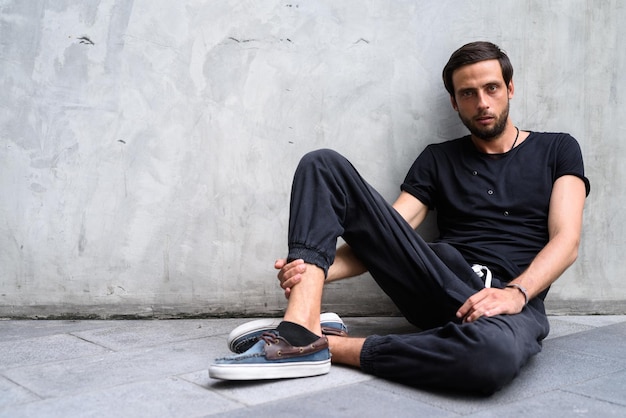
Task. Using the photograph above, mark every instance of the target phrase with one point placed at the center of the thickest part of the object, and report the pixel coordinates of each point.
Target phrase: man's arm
(346, 264)
(564, 228)
(411, 209)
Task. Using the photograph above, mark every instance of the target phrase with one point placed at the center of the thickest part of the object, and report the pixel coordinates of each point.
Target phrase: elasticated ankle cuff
(310, 256)
(368, 353)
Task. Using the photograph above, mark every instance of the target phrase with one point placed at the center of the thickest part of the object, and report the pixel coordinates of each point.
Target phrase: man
(509, 206)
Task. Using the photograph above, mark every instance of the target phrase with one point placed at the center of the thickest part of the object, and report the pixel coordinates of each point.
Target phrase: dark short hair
(472, 53)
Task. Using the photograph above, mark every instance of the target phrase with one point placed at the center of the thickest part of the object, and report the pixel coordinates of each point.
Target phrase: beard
(488, 134)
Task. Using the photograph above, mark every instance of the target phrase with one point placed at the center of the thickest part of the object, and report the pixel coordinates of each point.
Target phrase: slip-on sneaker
(273, 357)
(246, 335)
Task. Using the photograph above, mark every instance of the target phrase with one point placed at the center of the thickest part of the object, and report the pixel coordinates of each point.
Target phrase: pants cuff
(369, 352)
(310, 256)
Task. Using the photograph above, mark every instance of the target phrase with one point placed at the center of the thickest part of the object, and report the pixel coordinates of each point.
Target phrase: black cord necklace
(516, 136)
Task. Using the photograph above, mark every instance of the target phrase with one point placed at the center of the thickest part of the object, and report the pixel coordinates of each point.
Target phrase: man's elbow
(573, 253)
(573, 256)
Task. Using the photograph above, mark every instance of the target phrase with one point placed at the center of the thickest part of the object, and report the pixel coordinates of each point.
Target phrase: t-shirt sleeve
(570, 161)
(420, 181)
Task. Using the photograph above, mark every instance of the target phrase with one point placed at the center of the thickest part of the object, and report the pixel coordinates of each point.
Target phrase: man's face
(482, 99)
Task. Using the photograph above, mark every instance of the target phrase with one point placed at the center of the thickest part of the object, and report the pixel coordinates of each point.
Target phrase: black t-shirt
(494, 208)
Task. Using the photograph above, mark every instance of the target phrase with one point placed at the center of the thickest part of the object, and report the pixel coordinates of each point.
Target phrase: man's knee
(321, 156)
(491, 361)
(324, 164)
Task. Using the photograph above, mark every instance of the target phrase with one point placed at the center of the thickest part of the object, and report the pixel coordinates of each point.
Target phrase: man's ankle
(313, 325)
(346, 350)
(296, 334)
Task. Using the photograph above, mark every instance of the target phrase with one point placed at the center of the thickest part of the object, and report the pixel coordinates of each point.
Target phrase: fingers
(289, 274)
(475, 307)
(488, 302)
(464, 310)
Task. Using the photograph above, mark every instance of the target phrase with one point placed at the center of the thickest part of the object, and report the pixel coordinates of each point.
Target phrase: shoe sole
(268, 324)
(269, 371)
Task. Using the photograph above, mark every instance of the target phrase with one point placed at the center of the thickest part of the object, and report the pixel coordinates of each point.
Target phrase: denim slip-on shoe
(273, 357)
(246, 335)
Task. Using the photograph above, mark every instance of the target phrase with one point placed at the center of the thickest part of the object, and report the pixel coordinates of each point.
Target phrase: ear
(453, 102)
(511, 89)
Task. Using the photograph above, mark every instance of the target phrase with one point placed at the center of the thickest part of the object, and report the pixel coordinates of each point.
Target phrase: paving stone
(355, 400)
(167, 397)
(607, 341)
(13, 394)
(591, 320)
(560, 328)
(610, 388)
(554, 404)
(25, 329)
(16, 353)
(74, 376)
(556, 368)
(133, 334)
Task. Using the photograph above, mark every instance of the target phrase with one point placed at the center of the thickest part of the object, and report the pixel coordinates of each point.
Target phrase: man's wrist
(522, 290)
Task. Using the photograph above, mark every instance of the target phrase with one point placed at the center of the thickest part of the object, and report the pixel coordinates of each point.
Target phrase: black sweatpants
(428, 283)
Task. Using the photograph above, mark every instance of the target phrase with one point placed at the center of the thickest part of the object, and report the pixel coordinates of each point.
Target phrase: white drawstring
(483, 272)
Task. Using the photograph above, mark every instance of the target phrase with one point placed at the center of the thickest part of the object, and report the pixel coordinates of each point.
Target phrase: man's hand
(491, 302)
(289, 274)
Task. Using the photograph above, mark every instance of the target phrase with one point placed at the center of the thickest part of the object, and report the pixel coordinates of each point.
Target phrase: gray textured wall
(147, 146)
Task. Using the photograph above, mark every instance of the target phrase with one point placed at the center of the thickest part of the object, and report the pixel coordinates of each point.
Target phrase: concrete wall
(147, 147)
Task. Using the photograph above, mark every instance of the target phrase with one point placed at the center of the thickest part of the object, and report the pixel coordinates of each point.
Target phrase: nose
(482, 101)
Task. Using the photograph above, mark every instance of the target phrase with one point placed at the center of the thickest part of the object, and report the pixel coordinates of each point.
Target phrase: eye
(492, 88)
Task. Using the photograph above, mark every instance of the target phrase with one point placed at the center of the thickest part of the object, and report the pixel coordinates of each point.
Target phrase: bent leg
(481, 356)
(330, 199)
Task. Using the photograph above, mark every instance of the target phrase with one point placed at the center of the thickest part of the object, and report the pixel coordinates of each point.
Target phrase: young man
(509, 206)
